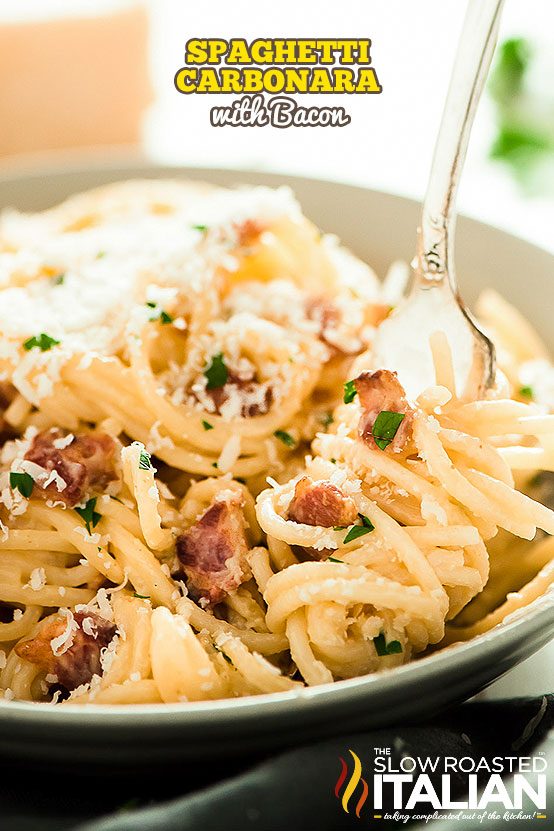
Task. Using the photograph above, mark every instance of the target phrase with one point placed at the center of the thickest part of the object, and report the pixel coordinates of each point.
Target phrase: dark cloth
(289, 792)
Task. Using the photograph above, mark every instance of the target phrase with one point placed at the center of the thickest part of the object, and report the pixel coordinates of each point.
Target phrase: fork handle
(436, 236)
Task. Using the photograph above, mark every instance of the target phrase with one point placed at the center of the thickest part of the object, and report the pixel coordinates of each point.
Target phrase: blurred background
(94, 78)
(98, 74)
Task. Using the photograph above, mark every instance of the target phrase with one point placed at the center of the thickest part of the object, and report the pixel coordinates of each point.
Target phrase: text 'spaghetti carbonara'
(208, 490)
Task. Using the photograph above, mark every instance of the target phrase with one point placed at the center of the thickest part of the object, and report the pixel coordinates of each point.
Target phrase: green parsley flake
(144, 460)
(334, 560)
(383, 648)
(526, 392)
(141, 596)
(285, 437)
(350, 392)
(326, 419)
(43, 342)
(215, 464)
(100, 255)
(201, 228)
(90, 517)
(216, 373)
(58, 279)
(23, 482)
(159, 314)
(359, 530)
(207, 426)
(385, 428)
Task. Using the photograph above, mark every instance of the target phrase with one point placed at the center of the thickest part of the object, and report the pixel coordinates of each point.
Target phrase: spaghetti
(207, 489)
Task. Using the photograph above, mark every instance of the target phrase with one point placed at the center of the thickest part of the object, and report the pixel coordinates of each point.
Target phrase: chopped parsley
(207, 426)
(358, 530)
(58, 279)
(141, 596)
(43, 342)
(350, 392)
(215, 464)
(383, 648)
(326, 419)
(334, 560)
(216, 373)
(100, 255)
(385, 428)
(159, 314)
(90, 517)
(201, 228)
(526, 392)
(145, 460)
(333, 461)
(285, 437)
(23, 482)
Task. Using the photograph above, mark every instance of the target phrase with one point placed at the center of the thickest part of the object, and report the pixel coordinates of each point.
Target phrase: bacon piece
(328, 318)
(255, 398)
(213, 551)
(248, 232)
(86, 465)
(378, 391)
(321, 503)
(81, 660)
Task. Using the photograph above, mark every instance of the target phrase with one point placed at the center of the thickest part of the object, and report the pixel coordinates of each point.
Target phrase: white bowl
(380, 228)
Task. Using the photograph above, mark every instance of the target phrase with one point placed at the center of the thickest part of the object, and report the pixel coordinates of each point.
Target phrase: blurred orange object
(74, 81)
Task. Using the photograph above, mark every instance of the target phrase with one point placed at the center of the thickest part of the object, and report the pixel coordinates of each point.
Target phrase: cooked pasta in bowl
(209, 491)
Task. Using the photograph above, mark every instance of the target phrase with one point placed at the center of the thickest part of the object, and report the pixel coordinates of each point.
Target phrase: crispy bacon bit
(255, 398)
(378, 391)
(213, 551)
(328, 319)
(76, 664)
(248, 232)
(321, 503)
(86, 465)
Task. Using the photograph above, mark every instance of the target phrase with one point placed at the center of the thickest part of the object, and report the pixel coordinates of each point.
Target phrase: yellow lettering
(344, 80)
(252, 80)
(306, 51)
(230, 80)
(238, 51)
(297, 80)
(216, 48)
(274, 80)
(347, 48)
(185, 79)
(208, 81)
(284, 51)
(261, 51)
(321, 82)
(368, 81)
(196, 51)
(327, 49)
(364, 55)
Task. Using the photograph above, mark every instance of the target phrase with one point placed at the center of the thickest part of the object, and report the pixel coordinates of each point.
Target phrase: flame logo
(355, 779)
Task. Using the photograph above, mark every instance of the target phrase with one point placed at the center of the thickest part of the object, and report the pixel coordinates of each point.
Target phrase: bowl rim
(522, 624)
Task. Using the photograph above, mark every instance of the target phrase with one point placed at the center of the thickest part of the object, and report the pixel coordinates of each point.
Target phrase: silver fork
(434, 303)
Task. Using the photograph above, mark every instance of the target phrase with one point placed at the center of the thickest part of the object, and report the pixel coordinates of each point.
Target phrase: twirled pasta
(165, 348)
